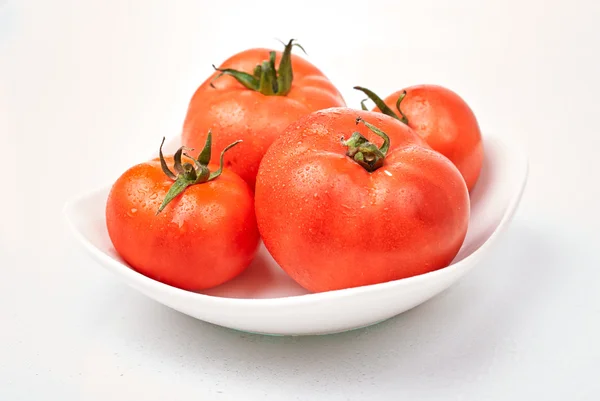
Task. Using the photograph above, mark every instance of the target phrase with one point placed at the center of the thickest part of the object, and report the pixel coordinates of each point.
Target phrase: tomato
(339, 213)
(443, 119)
(205, 233)
(248, 98)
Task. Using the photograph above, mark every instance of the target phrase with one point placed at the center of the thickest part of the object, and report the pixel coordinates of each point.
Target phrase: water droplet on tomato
(153, 196)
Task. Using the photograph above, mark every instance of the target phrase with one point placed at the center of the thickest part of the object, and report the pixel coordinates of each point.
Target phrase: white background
(88, 88)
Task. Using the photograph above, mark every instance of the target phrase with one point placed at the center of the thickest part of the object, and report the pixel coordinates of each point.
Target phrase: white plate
(265, 300)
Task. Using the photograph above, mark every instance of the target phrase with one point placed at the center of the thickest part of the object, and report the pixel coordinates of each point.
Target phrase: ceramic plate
(265, 300)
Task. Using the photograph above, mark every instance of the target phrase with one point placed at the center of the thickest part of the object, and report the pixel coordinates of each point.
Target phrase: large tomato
(443, 119)
(248, 98)
(194, 231)
(361, 210)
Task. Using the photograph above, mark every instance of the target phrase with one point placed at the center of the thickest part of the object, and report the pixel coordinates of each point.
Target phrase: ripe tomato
(443, 119)
(255, 102)
(206, 234)
(344, 213)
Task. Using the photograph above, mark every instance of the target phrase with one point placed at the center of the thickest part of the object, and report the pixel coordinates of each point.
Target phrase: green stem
(385, 109)
(190, 174)
(163, 163)
(177, 161)
(363, 105)
(366, 153)
(249, 81)
(217, 173)
(204, 157)
(180, 184)
(404, 119)
(268, 77)
(385, 147)
(285, 74)
(265, 77)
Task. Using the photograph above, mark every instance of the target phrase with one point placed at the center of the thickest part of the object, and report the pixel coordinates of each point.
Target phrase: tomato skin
(330, 224)
(203, 238)
(447, 123)
(234, 112)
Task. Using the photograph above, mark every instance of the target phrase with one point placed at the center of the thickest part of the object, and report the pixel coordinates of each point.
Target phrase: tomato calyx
(188, 173)
(366, 153)
(266, 78)
(385, 109)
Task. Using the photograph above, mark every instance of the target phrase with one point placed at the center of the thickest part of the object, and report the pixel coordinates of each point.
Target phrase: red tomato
(336, 214)
(204, 237)
(443, 119)
(258, 110)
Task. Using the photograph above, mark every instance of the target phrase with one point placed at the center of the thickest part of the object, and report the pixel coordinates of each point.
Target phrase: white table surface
(89, 88)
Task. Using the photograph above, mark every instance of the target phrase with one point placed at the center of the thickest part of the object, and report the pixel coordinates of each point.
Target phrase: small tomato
(443, 119)
(248, 98)
(193, 230)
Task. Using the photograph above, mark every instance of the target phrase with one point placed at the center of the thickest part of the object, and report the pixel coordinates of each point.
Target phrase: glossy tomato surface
(234, 112)
(203, 238)
(447, 123)
(331, 224)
